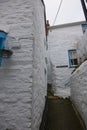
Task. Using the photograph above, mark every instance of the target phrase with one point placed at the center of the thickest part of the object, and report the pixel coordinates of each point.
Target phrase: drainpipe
(84, 8)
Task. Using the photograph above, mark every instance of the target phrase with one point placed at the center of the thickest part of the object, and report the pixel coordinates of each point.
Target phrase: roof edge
(67, 25)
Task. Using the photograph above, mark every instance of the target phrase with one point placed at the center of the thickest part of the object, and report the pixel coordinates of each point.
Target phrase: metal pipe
(84, 8)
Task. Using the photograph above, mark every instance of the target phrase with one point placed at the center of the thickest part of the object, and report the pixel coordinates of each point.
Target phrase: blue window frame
(72, 55)
(2, 39)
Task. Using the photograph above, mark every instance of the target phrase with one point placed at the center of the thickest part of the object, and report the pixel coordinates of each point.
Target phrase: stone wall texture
(82, 48)
(78, 84)
(39, 65)
(23, 77)
(78, 81)
(60, 40)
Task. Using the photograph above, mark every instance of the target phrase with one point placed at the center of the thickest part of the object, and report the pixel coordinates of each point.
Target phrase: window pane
(75, 62)
(72, 55)
(72, 58)
(72, 62)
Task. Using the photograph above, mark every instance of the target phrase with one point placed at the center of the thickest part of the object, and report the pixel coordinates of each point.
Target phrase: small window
(73, 62)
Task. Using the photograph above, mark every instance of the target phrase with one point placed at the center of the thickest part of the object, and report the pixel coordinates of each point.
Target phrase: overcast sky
(70, 11)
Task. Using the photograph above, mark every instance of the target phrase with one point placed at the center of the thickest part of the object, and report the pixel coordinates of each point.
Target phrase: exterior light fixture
(4, 52)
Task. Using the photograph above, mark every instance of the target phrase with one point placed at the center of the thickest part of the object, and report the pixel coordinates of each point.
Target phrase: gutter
(66, 25)
(45, 19)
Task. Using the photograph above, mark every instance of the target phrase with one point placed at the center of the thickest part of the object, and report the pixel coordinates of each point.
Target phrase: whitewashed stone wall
(78, 84)
(60, 40)
(82, 49)
(78, 81)
(39, 70)
(22, 77)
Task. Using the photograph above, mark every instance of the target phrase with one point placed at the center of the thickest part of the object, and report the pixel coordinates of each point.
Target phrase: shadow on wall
(82, 49)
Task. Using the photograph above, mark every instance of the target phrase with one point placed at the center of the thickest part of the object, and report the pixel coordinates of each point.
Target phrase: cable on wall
(57, 12)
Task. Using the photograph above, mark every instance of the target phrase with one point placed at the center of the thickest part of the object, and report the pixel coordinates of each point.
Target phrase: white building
(23, 75)
(62, 43)
(78, 81)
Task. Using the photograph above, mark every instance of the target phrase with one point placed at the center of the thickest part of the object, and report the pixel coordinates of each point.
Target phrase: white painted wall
(78, 84)
(39, 65)
(22, 77)
(60, 40)
(82, 49)
(78, 81)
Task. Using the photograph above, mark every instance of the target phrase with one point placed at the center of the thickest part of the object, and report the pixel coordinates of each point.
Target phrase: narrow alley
(43, 64)
(61, 115)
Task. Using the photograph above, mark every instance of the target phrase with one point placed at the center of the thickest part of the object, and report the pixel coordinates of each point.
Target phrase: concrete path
(61, 115)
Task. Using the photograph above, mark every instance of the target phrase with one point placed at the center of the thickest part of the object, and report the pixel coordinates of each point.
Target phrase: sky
(70, 11)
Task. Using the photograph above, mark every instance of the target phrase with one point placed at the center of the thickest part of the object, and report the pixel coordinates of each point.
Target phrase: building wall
(60, 40)
(78, 82)
(39, 70)
(19, 84)
(82, 49)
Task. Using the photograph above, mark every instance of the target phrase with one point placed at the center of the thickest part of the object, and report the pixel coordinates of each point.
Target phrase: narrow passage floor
(61, 115)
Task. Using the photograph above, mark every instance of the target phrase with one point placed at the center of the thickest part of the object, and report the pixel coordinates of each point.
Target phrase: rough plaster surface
(78, 84)
(61, 40)
(82, 48)
(22, 77)
(60, 78)
(39, 66)
(78, 80)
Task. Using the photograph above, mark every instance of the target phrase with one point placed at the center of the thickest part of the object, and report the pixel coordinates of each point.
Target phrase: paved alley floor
(61, 115)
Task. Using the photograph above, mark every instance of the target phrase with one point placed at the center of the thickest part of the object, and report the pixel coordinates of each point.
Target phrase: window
(72, 54)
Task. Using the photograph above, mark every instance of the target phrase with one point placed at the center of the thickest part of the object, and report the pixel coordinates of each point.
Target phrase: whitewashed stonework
(23, 76)
(78, 84)
(61, 39)
(82, 49)
(78, 81)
